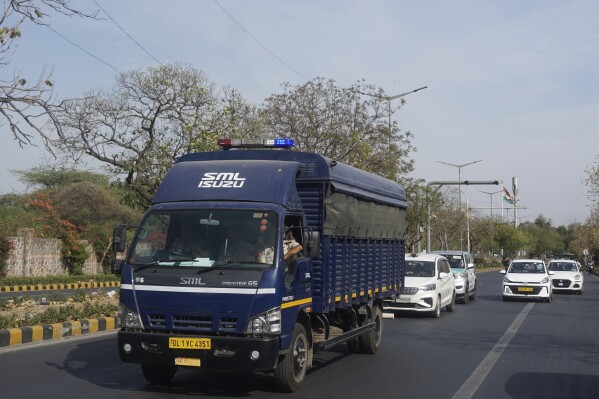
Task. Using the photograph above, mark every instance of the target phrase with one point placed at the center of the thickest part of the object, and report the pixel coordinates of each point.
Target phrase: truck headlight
(128, 317)
(265, 323)
(428, 287)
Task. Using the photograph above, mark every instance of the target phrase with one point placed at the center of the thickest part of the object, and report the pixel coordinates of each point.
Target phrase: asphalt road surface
(485, 349)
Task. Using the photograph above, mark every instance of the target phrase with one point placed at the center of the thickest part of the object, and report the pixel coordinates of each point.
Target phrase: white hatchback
(428, 286)
(527, 278)
(567, 275)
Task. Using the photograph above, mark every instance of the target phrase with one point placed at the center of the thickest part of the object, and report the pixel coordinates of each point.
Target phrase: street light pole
(459, 166)
(492, 220)
(389, 98)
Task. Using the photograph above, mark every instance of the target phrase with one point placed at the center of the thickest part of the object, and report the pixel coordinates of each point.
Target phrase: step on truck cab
(207, 280)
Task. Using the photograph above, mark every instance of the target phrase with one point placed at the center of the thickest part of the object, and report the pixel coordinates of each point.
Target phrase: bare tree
(27, 106)
(149, 119)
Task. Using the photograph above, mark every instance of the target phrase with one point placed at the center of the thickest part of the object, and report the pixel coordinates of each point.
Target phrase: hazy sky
(512, 83)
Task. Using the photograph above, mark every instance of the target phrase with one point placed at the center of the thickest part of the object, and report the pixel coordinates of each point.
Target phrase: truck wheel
(371, 341)
(436, 313)
(158, 374)
(291, 369)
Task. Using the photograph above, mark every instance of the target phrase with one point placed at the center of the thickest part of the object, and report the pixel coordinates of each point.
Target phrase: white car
(567, 275)
(527, 278)
(428, 286)
(464, 271)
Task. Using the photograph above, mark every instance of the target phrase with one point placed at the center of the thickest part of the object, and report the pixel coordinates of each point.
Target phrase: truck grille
(192, 322)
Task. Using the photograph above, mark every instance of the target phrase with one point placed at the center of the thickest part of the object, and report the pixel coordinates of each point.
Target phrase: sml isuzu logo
(224, 180)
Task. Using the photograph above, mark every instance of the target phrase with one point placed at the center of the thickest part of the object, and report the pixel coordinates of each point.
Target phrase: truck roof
(272, 169)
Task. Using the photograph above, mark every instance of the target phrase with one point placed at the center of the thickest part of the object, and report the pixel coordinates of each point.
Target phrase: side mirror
(502, 271)
(443, 275)
(470, 265)
(551, 273)
(312, 243)
(119, 239)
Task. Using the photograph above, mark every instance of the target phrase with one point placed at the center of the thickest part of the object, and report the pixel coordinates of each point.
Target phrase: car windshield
(420, 268)
(562, 267)
(527, 267)
(456, 261)
(206, 238)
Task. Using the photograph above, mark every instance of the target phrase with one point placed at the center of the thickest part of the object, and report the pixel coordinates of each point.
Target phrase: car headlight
(128, 317)
(545, 280)
(507, 280)
(577, 277)
(428, 287)
(459, 279)
(268, 322)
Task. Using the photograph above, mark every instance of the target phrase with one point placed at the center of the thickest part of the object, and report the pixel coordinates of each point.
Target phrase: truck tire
(291, 369)
(158, 374)
(371, 342)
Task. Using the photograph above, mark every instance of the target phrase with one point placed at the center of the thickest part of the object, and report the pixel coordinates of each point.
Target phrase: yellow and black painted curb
(47, 287)
(46, 332)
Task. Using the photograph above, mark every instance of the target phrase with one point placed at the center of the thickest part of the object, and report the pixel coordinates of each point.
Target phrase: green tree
(510, 240)
(341, 124)
(149, 119)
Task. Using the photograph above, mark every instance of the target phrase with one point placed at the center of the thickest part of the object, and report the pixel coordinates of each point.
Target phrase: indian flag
(508, 197)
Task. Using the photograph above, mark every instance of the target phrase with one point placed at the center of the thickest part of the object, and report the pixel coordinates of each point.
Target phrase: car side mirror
(443, 275)
(551, 273)
(470, 265)
(502, 271)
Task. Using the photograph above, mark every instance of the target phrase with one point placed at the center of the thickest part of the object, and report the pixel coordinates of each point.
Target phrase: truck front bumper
(238, 353)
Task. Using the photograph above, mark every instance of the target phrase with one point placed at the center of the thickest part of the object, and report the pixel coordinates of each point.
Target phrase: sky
(510, 83)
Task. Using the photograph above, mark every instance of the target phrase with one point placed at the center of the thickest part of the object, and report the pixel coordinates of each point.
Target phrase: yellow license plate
(189, 343)
(524, 289)
(187, 361)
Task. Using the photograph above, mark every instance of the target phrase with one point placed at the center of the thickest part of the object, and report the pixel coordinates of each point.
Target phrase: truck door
(297, 264)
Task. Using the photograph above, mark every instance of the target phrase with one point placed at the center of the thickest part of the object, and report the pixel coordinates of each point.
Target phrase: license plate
(403, 299)
(189, 343)
(187, 361)
(524, 289)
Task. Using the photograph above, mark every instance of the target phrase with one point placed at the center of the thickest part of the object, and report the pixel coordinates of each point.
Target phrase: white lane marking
(469, 388)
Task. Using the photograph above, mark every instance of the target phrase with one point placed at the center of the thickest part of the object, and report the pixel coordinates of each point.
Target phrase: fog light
(255, 355)
(127, 348)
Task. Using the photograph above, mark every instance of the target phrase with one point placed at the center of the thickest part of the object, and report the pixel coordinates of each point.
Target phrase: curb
(45, 287)
(46, 332)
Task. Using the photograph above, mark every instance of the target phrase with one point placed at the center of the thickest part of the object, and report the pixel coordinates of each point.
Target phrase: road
(485, 349)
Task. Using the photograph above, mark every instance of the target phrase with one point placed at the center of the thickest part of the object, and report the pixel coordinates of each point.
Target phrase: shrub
(5, 247)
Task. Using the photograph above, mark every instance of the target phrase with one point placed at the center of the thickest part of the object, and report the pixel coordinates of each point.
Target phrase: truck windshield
(206, 238)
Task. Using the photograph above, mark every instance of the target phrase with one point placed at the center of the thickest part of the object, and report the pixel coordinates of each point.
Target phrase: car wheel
(292, 367)
(506, 298)
(473, 294)
(158, 374)
(436, 313)
(579, 292)
(548, 299)
(466, 297)
(451, 306)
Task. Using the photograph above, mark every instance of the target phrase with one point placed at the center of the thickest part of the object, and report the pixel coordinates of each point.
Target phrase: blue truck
(234, 299)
